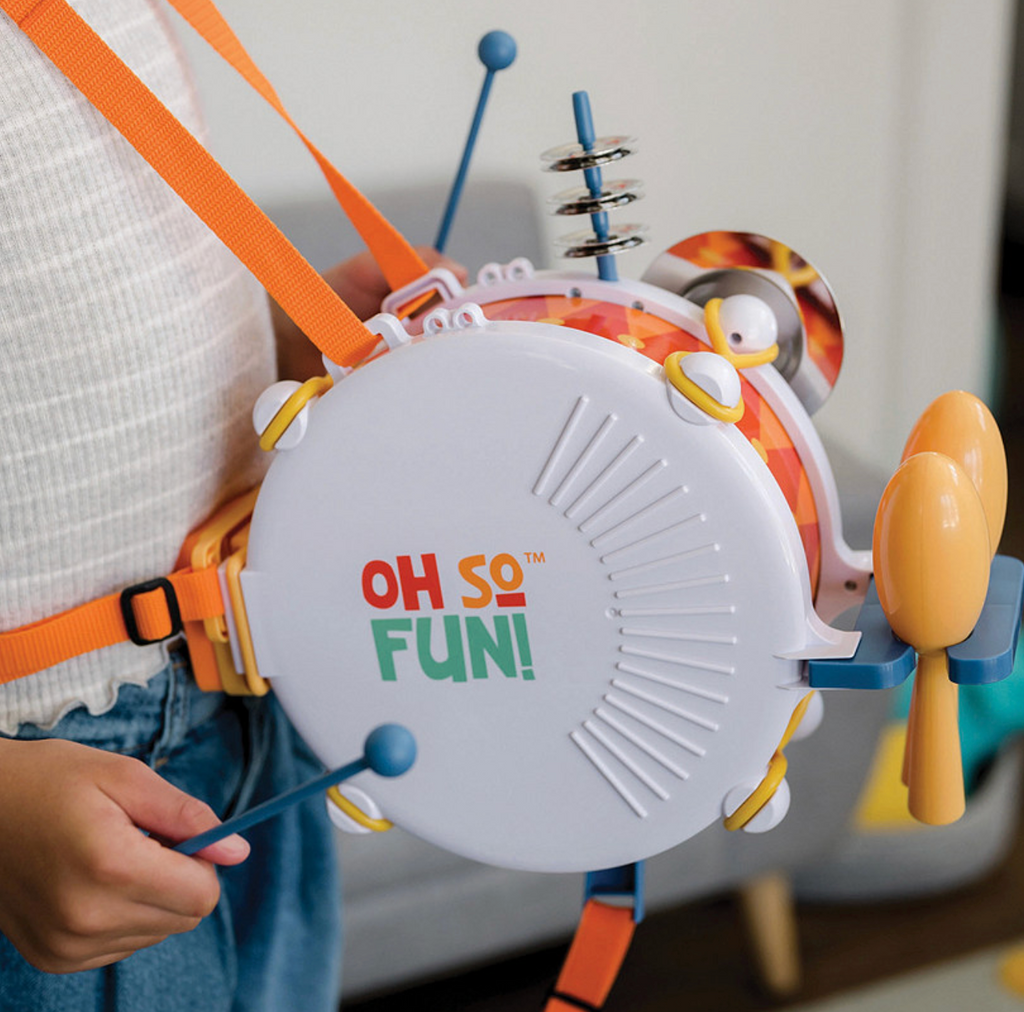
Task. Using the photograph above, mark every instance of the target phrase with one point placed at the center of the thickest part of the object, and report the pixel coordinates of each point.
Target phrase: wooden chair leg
(770, 916)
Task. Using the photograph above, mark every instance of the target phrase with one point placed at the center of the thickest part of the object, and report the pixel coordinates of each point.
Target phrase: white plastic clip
(469, 314)
(520, 269)
(384, 325)
(390, 328)
(439, 320)
(489, 274)
(438, 280)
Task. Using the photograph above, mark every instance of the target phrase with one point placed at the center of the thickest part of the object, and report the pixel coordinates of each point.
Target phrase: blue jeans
(274, 942)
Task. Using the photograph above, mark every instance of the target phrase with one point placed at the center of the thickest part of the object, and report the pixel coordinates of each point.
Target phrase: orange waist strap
(144, 613)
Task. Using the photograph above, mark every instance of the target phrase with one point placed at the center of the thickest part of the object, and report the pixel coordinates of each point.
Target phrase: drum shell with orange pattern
(656, 338)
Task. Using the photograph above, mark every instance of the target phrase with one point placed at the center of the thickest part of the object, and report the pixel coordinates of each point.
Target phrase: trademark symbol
(533, 557)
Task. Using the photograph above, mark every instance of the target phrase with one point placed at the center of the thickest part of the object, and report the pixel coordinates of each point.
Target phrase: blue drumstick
(389, 751)
(497, 50)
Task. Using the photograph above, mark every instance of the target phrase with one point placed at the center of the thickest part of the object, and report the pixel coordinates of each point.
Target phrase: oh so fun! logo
(489, 635)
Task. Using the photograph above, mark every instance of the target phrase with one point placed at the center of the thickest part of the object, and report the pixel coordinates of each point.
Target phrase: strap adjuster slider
(128, 612)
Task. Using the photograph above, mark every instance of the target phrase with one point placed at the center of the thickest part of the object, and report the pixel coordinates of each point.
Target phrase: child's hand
(362, 286)
(80, 885)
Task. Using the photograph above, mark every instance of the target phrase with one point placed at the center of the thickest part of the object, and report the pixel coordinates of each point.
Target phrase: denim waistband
(148, 721)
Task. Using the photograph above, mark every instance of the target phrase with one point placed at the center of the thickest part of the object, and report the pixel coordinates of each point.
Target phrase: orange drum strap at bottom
(595, 957)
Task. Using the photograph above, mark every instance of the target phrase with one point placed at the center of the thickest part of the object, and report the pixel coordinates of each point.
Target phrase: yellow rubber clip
(777, 766)
(207, 548)
(693, 393)
(356, 814)
(761, 794)
(286, 413)
(721, 344)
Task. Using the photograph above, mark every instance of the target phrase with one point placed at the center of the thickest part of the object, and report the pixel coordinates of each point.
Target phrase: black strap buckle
(128, 612)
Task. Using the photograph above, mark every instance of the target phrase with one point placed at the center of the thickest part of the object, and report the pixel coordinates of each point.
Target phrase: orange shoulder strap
(398, 261)
(82, 56)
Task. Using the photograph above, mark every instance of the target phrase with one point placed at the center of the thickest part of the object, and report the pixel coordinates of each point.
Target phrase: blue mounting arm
(883, 661)
(626, 880)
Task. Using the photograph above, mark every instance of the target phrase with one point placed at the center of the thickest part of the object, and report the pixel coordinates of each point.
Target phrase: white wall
(1015, 154)
(868, 135)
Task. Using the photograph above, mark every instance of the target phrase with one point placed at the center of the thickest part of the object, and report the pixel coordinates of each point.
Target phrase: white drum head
(506, 539)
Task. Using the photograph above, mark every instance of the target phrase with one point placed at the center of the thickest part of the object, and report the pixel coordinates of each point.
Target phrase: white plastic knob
(716, 376)
(363, 802)
(267, 406)
(772, 812)
(748, 323)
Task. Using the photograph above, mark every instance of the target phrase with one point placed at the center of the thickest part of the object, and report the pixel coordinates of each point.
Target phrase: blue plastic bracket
(626, 880)
(883, 661)
(987, 655)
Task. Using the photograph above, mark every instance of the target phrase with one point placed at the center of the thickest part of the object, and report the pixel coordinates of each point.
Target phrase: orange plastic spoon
(931, 559)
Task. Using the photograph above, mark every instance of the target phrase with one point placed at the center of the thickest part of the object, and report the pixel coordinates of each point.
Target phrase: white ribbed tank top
(132, 347)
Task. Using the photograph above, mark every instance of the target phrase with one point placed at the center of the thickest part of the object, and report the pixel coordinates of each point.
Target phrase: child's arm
(80, 885)
(361, 285)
